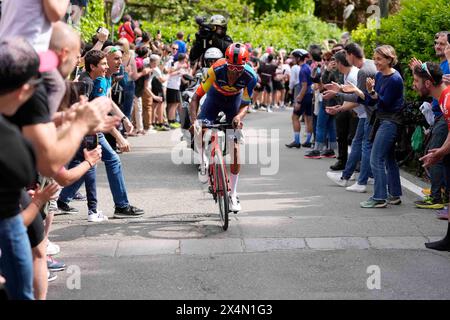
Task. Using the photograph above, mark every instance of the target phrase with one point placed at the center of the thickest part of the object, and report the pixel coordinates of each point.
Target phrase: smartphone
(99, 29)
(90, 142)
(81, 88)
(158, 32)
(448, 37)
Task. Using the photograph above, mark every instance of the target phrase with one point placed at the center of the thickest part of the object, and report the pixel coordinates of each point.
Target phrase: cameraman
(210, 35)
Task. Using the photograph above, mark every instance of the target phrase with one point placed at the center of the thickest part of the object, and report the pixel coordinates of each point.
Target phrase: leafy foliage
(300, 6)
(93, 18)
(281, 29)
(289, 30)
(293, 28)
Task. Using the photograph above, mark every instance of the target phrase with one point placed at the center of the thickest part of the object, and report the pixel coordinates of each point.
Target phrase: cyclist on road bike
(229, 84)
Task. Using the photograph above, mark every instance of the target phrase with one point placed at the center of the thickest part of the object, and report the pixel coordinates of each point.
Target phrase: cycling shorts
(306, 106)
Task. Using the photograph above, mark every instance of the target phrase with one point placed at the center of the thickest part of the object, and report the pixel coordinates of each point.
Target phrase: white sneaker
(269, 109)
(235, 204)
(336, 177)
(357, 188)
(371, 181)
(353, 177)
(203, 173)
(52, 248)
(96, 216)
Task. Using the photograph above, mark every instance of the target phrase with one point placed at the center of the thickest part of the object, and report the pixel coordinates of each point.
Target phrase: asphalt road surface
(299, 236)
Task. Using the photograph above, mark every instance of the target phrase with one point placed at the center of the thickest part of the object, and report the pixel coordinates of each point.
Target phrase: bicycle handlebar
(221, 126)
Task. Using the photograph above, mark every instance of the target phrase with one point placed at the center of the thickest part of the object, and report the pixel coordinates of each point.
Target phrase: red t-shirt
(444, 103)
(126, 31)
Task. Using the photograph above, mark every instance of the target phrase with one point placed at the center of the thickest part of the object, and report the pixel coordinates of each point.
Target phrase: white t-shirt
(286, 69)
(155, 74)
(26, 18)
(174, 81)
(294, 79)
(352, 77)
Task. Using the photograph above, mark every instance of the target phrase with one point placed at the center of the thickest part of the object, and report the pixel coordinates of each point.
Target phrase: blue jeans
(114, 173)
(16, 261)
(365, 171)
(355, 154)
(128, 96)
(90, 182)
(384, 165)
(326, 126)
(437, 176)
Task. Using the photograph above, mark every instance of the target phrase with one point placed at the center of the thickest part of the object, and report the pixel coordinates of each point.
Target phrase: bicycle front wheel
(221, 190)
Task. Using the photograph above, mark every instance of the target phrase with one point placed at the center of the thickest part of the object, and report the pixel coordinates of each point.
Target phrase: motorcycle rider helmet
(218, 20)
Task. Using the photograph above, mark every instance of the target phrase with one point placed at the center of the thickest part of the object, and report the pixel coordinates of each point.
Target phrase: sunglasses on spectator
(235, 67)
(174, 48)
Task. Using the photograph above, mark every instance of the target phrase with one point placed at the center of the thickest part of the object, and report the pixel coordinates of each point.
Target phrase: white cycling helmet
(213, 53)
(299, 53)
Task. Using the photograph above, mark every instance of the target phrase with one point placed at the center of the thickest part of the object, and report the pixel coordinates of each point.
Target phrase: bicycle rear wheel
(221, 190)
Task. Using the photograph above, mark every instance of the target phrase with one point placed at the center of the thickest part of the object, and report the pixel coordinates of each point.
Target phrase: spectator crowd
(65, 105)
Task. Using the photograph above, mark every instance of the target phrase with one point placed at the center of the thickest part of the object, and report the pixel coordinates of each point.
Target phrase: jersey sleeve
(248, 91)
(303, 76)
(445, 106)
(206, 84)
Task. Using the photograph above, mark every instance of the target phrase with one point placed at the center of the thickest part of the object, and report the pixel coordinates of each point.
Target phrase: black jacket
(201, 44)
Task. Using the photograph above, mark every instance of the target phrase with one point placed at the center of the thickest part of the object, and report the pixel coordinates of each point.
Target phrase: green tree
(288, 24)
(287, 30)
(94, 18)
(263, 6)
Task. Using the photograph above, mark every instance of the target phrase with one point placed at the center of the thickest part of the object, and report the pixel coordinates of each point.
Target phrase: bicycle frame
(215, 149)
